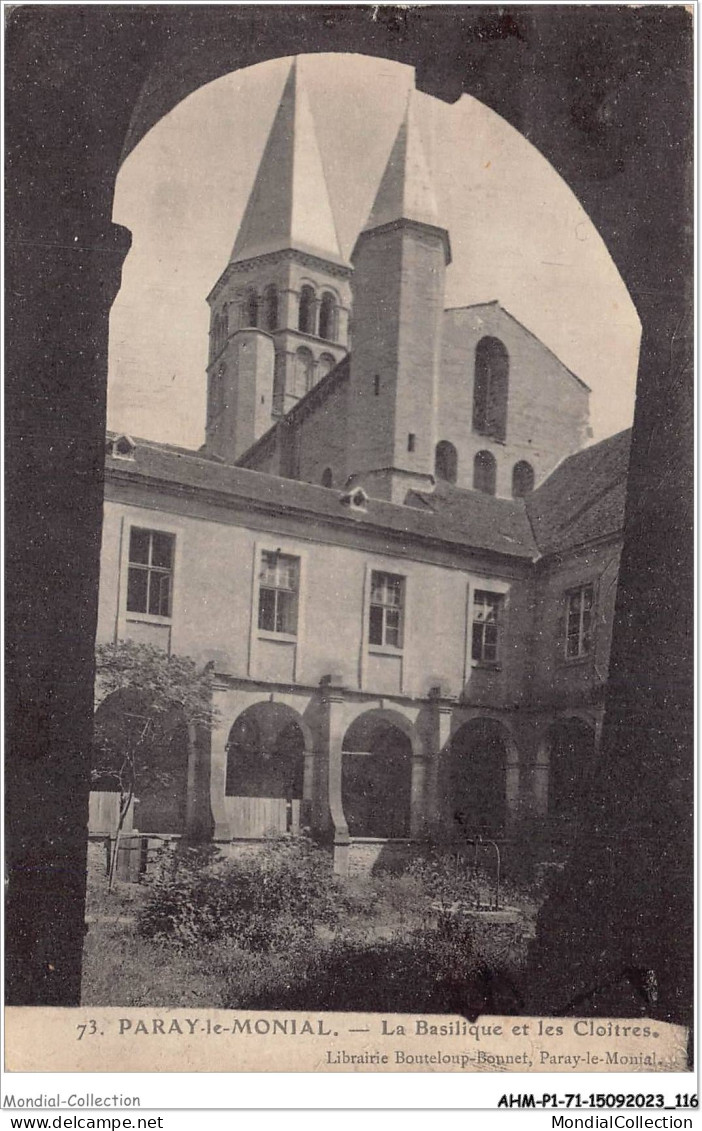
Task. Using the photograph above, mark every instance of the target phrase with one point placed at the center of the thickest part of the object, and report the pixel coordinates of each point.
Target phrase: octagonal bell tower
(279, 312)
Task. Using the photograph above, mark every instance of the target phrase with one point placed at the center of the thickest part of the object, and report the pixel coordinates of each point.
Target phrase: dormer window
(356, 499)
(123, 447)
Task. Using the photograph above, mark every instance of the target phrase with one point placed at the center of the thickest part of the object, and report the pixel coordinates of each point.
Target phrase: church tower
(399, 261)
(280, 310)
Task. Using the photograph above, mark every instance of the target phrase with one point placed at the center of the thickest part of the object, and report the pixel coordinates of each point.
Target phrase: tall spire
(289, 204)
(406, 191)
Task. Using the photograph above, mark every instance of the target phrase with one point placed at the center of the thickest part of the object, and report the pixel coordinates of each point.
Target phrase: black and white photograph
(349, 515)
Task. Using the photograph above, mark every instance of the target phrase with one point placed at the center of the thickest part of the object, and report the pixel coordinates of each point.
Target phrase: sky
(518, 234)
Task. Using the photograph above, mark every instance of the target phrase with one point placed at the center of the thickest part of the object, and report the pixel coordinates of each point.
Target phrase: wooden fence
(103, 814)
(252, 817)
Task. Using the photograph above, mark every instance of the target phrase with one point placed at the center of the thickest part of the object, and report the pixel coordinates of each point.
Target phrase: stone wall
(547, 417)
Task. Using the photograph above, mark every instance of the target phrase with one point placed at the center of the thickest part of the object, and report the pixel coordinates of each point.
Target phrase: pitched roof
(483, 519)
(495, 304)
(406, 190)
(479, 522)
(289, 205)
(584, 498)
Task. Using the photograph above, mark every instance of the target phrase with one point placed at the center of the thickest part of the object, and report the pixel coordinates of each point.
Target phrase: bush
(436, 970)
(448, 881)
(273, 899)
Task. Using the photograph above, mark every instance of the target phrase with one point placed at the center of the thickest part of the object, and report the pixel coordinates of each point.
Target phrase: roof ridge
(513, 317)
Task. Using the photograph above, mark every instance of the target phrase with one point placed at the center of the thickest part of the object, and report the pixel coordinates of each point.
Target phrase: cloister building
(393, 548)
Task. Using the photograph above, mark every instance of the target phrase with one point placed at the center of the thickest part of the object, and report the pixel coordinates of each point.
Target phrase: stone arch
(265, 731)
(168, 64)
(328, 317)
(485, 472)
(303, 371)
(250, 309)
(376, 782)
(325, 365)
(446, 461)
(478, 761)
(306, 310)
(162, 787)
(265, 770)
(270, 307)
(522, 479)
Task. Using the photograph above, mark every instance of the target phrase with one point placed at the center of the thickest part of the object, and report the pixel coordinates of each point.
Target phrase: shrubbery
(436, 970)
(273, 928)
(272, 899)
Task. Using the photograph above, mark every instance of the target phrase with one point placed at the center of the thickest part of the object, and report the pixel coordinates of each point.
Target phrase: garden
(269, 925)
(272, 927)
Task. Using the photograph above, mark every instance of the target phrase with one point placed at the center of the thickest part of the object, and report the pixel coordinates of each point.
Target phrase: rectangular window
(386, 609)
(579, 622)
(278, 590)
(487, 621)
(150, 572)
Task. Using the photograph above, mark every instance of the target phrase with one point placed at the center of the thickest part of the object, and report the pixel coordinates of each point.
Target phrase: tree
(143, 696)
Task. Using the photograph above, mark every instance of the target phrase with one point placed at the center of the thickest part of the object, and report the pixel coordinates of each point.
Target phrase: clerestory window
(490, 388)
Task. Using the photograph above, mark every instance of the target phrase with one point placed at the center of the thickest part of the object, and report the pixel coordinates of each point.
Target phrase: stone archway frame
(64, 260)
(418, 760)
(511, 764)
(220, 745)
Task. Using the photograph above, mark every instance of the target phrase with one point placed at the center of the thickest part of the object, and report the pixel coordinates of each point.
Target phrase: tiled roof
(583, 498)
(581, 501)
(483, 519)
(478, 521)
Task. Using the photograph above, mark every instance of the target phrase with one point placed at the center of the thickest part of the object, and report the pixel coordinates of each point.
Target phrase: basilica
(394, 548)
